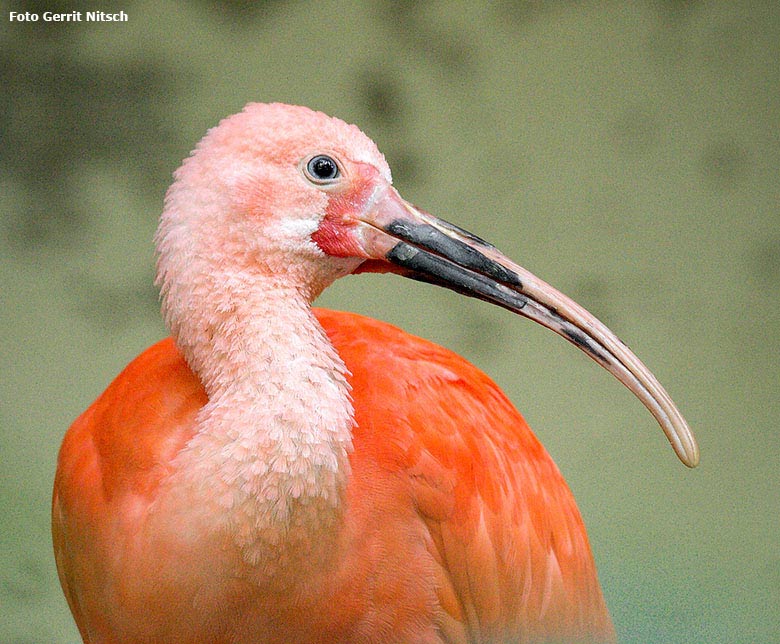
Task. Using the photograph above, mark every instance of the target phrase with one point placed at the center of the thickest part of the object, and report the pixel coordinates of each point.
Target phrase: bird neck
(272, 442)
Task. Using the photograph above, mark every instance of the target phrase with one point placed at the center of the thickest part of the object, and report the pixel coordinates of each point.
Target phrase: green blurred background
(628, 153)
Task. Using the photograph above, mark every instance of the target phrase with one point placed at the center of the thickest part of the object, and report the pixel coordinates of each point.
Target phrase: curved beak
(422, 247)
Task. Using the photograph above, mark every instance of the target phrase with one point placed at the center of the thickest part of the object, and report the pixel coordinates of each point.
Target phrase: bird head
(303, 198)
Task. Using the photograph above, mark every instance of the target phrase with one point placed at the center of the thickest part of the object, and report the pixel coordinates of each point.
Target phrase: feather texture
(455, 525)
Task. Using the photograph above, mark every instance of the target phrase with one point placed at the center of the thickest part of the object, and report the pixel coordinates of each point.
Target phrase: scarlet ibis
(278, 473)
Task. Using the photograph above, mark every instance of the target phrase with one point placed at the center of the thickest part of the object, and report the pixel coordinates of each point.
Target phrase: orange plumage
(457, 515)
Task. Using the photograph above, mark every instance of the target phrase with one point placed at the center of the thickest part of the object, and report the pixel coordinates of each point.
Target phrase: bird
(275, 472)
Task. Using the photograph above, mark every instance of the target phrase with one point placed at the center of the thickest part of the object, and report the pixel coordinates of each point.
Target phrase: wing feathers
(515, 561)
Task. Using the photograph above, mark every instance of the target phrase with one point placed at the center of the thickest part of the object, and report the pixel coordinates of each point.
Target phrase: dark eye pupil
(323, 168)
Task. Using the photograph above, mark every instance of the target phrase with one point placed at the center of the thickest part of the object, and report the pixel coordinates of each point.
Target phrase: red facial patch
(336, 233)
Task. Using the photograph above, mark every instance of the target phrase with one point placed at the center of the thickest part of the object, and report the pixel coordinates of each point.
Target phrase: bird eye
(322, 169)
